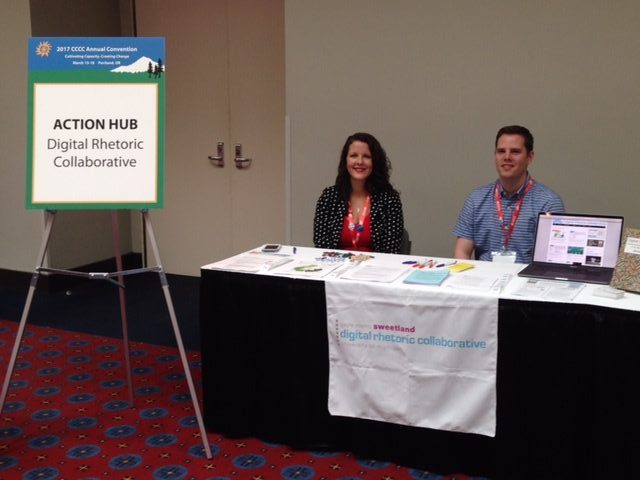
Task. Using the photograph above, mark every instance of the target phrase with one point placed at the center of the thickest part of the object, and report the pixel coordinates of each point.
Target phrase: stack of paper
(550, 289)
(460, 267)
(427, 277)
(479, 281)
(252, 262)
(374, 273)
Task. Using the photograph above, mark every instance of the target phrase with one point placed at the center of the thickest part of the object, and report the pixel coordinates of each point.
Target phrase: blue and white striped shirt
(478, 221)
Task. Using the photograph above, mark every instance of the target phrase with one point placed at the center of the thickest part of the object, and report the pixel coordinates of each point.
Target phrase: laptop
(575, 247)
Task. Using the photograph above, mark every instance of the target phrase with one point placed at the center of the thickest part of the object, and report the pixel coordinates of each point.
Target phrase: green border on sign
(95, 77)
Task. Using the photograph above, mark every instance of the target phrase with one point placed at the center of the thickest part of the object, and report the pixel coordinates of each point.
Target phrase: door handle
(241, 162)
(218, 159)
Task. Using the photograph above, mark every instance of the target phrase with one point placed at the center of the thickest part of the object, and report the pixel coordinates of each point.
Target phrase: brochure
(305, 268)
(626, 275)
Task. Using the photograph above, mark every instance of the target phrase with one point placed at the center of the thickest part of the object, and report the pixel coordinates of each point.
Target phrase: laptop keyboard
(568, 273)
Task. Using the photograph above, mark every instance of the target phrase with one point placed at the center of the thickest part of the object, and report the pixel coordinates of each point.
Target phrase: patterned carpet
(67, 417)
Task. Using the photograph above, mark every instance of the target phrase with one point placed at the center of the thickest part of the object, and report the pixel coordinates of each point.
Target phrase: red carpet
(67, 417)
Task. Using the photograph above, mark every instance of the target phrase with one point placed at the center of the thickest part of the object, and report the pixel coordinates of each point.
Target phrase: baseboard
(56, 283)
(14, 279)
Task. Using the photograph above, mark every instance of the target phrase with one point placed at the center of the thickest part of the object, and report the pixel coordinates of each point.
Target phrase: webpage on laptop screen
(578, 240)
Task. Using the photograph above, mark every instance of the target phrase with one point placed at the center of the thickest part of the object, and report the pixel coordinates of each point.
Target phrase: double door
(225, 84)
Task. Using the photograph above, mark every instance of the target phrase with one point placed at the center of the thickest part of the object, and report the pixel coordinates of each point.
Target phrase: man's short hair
(517, 130)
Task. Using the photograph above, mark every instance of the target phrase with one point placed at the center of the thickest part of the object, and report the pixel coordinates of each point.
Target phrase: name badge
(504, 256)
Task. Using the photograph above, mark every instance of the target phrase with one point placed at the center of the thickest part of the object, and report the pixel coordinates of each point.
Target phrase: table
(567, 382)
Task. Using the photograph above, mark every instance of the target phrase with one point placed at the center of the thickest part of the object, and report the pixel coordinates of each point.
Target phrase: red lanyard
(356, 229)
(516, 212)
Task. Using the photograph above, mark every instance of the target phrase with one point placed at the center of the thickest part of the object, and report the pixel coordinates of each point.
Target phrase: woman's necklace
(358, 228)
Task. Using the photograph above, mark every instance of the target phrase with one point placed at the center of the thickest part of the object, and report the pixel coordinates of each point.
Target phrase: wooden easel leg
(176, 331)
(49, 218)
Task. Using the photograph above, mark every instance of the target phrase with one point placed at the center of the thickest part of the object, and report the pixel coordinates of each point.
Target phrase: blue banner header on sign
(117, 54)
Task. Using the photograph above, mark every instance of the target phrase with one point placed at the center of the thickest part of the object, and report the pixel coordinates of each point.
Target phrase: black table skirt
(568, 385)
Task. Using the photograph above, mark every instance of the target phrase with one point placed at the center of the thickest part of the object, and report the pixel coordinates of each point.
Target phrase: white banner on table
(413, 356)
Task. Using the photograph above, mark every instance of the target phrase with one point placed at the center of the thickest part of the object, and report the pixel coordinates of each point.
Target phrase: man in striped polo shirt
(498, 220)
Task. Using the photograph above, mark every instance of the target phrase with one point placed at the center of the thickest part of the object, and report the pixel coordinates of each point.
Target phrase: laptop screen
(591, 240)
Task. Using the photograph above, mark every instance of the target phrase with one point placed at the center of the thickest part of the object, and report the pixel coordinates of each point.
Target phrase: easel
(119, 274)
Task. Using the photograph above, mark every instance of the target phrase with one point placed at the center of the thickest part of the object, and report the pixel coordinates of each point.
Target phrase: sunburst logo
(43, 49)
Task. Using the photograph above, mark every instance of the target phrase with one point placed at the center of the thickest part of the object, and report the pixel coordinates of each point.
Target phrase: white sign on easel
(96, 123)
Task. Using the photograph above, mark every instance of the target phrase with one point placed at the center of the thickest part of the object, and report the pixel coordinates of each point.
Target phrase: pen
(446, 264)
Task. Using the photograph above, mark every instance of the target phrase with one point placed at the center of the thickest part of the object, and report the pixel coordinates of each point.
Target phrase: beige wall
(78, 237)
(83, 237)
(434, 80)
(20, 230)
